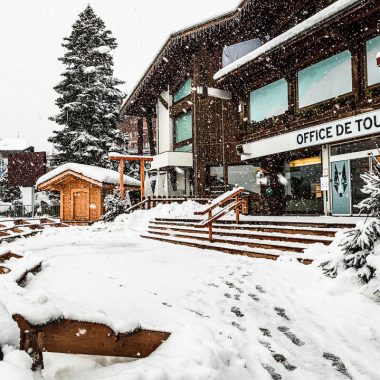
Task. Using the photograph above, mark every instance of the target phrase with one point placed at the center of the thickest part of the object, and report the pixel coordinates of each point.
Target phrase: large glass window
(373, 72)
(270, 100)
(243, 175)
(327, 79)
(216, 179)
(183, 127)
(184, 91)
(302, 189)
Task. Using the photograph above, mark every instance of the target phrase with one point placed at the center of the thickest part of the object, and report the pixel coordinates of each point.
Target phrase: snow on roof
(303, 27)
(94, 172)
(12, 144)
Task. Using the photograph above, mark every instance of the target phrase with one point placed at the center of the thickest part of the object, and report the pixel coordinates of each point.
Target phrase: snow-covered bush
(114, 206)
(360, 246)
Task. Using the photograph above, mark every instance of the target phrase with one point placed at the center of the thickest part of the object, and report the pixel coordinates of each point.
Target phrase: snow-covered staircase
(261, 239)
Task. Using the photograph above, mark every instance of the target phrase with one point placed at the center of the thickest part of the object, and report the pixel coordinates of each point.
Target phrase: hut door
(81, 210)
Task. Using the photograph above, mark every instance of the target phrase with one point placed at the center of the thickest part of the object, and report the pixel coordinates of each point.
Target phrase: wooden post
(121, 171)
(152, 147)
(142, 178)
(237, 208)
(140, 136)
(210, 226)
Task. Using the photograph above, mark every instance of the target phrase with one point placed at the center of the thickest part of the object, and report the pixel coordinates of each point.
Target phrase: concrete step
(231, 247)
(311, 230)
(258, 235)
(253, 243)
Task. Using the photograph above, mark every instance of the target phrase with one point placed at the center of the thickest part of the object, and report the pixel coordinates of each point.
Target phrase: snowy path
(231, 317)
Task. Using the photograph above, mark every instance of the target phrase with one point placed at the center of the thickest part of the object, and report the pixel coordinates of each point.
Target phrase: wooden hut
(82, 189)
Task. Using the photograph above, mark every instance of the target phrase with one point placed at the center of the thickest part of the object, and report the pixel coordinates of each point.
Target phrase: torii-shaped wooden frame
(122, 158)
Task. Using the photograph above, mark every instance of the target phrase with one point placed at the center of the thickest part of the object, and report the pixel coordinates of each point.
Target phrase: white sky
(31, 32)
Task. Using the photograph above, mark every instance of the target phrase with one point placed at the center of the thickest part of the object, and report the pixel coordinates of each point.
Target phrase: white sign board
(338, 130)
(324, 183)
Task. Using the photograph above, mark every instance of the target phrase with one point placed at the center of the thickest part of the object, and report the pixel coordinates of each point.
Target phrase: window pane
(243, 175)
(185, 148)
(183, 127)
(373, 72)
(270, 100)
(183, 91)
(216, 179)
(325, 80)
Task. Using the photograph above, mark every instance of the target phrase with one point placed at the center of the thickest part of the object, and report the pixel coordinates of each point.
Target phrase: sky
(31, 33)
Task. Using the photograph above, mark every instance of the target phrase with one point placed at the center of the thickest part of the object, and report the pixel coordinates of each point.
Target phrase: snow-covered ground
(230, 317)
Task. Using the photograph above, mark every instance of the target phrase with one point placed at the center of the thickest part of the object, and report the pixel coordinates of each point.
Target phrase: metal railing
(28, 211)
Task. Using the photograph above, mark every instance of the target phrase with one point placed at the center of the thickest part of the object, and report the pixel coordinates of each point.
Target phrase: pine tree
(8, 194)
(358, 245)
(89, 99)
(114, 206)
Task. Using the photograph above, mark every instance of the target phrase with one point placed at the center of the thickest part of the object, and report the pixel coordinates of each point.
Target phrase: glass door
(341, 187)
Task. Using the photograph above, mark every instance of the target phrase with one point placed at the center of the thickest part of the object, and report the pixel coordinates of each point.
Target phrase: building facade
(139, 141)
(282, 98)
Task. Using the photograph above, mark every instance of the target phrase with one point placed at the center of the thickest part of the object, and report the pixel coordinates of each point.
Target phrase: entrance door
(341, 187)
(81, 209)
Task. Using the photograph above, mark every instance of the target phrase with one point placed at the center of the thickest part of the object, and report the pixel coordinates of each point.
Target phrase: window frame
(338, 98)
(178, 87)
(365, 65)
(180, 144)
(248, 106)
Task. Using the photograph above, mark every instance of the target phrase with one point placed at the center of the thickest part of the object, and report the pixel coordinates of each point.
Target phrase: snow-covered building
(282, 98)
(82, 189)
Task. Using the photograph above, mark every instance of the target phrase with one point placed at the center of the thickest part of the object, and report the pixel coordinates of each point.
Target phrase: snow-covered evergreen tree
(90, 99)
(114, 206)
(360, 245)
(8, 194)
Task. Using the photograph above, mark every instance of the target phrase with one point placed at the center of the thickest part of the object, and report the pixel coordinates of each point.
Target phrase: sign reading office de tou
(355, 126)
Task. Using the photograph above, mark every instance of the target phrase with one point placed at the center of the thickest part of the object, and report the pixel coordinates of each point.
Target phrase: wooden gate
(80, 204)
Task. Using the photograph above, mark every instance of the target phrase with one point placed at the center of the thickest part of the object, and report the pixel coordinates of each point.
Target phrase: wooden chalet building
(281, 97)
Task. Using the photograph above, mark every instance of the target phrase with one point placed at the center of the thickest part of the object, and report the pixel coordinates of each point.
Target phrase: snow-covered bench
(86, 338)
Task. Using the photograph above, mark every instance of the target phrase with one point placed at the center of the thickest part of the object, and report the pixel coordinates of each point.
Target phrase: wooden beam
(85, 338)
(163, 101)
(152, 145)
(140, 136)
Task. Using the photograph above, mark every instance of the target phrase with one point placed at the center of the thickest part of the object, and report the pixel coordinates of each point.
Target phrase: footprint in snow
(230, 284)
(254, 297)
(281, 312)
(237, 297)
(240, 290)
(279, 357)
(338, 364)
(237, 312)
(199, 313)
(227, 295)
(166, 304)
(265, 332)
(213, 285)
(272, 372)
(238, 326)
(260, 289)
(294, 339)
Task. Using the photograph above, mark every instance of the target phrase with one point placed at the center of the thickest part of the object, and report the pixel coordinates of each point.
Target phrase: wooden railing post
(237, 208)
(210, 226)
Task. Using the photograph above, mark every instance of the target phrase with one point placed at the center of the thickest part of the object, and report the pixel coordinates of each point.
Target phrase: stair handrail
(219, 202)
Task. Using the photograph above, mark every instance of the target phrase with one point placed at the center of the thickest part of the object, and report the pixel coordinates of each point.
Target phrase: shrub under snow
(360, 246)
